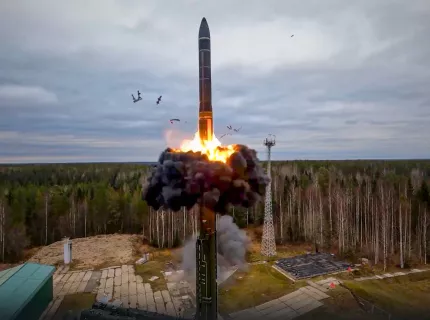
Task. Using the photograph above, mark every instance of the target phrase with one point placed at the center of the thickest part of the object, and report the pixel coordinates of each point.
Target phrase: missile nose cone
(204, 29)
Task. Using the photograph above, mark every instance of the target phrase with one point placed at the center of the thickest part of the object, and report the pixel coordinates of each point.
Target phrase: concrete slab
(131, 277)
(276, 307)
(283, 314)
(296, 305)
(124, 278)
(245, 314)
(117, 272)
(93, 282)
(166, 296)
(297, 299)
(117, 280)
(160, 307)
(140, 289)
(309, 307)
(57, 278)
(124, 289)
(315, 293)
(74, 287)
(65, 277)
(150, 298)
(87, 275)
(319, 287)
(65, 288)
(117, 292)
(109, 282)
(111, 273)
(125, 301)
(82, 285)
(102, 283)
(268, 304)
(73, 277)
(132, 288)
(291, 295)
(152, 308)
(104, 274)
(141, 300)
(133, 301)
(139, 279)
(170, 309)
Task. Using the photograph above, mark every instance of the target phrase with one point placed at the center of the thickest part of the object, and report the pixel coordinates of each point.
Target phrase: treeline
(376, 209)
(380, 211)
(40, 204)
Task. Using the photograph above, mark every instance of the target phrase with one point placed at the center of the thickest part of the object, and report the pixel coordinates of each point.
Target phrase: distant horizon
(261, 160)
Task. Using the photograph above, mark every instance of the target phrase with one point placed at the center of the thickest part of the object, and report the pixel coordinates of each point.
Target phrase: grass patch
(282, 251)
(399, 295)
(156, 264)
(74, 303)
(261, 283)
(74, 264)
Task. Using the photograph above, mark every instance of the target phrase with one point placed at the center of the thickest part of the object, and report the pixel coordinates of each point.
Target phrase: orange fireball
(213, 149)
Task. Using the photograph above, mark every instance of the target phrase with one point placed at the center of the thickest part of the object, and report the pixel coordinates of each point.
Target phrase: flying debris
(292, 35)
(225, 134)
(237, 130)
(138, 97)
(172, 120)
(159, 99)
(229, 127)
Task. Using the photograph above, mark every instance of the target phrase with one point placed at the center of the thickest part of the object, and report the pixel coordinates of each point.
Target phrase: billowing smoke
(181, 179)
(232, 244)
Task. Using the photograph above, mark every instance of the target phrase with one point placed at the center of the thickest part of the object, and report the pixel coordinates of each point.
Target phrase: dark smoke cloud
(181, 179)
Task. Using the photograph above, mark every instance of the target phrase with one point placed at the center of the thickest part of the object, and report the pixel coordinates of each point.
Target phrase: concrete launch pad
(310, 265)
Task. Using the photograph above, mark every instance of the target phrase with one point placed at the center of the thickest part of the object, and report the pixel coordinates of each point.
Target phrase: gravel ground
(90, 252)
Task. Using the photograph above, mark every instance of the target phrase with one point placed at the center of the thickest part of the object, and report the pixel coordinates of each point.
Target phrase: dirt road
(91, 252)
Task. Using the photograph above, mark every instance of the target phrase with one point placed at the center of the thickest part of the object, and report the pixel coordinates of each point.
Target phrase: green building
(25, 291)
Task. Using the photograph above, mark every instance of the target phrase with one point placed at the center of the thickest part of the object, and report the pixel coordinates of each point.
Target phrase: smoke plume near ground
(181, 179)
(232, 244)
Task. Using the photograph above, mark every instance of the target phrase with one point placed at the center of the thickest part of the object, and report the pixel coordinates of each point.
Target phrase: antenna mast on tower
(268, 245)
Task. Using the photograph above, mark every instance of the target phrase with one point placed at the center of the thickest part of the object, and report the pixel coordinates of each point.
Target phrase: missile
(205, 83)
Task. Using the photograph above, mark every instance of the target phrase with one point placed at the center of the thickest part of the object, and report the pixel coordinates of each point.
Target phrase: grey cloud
(15, 95)
(369, 100)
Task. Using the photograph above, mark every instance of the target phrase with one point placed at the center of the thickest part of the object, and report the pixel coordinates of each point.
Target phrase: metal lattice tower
(268, 245)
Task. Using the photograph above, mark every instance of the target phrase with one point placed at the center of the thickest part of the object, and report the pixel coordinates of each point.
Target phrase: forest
(369, 208)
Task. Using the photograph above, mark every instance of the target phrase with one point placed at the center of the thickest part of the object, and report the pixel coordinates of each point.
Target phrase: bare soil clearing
(91, 252)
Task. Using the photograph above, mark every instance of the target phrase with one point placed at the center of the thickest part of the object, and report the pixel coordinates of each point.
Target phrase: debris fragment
(138, 97)
(153, 278)
(144, 259)
(159, 99)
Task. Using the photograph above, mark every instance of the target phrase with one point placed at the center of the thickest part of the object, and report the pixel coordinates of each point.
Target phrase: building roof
(19, 284)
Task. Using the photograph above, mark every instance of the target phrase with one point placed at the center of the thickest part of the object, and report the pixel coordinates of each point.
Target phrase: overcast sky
(353, 82)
